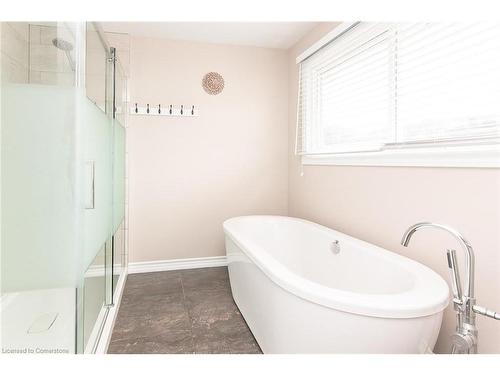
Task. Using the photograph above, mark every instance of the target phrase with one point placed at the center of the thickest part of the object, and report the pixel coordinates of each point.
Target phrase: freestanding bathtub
(299, 295)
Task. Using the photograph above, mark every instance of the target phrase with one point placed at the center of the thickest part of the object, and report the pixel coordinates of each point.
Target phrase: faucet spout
(469, 253)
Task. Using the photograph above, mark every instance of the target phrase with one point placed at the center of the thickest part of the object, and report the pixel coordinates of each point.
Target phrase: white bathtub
(297, 296)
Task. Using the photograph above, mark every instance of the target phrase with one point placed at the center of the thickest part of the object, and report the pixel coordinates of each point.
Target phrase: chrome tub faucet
(464, 340)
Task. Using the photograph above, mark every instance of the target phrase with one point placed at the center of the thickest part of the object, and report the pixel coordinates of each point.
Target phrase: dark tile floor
(186, 311)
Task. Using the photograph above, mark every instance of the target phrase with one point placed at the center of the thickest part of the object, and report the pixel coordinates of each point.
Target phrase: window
(402, 94)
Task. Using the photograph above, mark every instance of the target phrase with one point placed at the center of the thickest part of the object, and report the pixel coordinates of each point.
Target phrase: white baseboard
(176, 264)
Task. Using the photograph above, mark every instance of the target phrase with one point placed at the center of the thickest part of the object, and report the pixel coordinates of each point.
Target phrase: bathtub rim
(397, 305)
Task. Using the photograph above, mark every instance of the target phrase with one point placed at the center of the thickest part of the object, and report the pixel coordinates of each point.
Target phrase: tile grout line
(188, 313)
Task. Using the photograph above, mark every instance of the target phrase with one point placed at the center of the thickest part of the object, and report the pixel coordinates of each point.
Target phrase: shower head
(62, 44)
(67, 47)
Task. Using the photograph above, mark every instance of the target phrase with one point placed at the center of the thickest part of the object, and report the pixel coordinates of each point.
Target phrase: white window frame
(480, 154)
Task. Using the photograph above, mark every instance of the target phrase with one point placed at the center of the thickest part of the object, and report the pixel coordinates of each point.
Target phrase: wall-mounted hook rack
(161, 110)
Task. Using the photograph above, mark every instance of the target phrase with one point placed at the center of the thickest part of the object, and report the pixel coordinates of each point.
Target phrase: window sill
(479, 156)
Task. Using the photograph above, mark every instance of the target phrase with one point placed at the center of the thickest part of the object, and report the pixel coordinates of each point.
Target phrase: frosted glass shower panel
(39, 194)
(98, 142)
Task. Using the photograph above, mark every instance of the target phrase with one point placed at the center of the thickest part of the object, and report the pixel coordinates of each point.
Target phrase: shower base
(38, 321)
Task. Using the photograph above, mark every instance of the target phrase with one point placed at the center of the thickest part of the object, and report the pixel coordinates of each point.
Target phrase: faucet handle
(456, 284)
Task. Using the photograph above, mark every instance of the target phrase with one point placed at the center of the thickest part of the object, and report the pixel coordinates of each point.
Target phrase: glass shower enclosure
(63, 100)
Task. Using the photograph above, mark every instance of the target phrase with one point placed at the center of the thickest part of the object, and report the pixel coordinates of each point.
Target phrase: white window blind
(381, 86)
(448, 82)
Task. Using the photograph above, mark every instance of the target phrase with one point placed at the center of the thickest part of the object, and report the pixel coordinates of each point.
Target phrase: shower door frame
(105, 319)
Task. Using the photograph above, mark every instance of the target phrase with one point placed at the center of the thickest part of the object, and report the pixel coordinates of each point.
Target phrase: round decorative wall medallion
(213, 83)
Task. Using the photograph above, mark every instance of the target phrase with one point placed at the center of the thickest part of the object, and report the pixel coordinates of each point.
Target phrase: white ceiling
(259, 34)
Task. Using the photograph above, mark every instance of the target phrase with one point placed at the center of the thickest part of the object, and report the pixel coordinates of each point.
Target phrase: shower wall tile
(55, 78)
(22, 29)
(48, 33)
(34, 34)
(95, 68)
(49, 65)
(14, 44)
(96, 89)
(47, 58)
(14, 52)
(52, 78)
(35, 77)
(12, 71)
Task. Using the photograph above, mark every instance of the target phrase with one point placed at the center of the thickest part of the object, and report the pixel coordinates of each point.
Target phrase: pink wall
(187, 175)
(377, 204)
